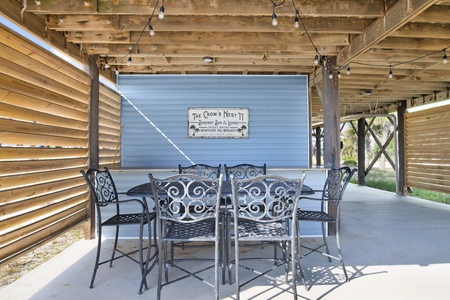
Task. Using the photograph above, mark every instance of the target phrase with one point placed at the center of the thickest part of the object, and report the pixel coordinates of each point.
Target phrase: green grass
(385, 180)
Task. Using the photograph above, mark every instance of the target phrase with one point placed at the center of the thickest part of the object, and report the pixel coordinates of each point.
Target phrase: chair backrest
(244, 171)
(336, 183)
(102, 185)
(186, 198)
(201, 170)
(266, 198)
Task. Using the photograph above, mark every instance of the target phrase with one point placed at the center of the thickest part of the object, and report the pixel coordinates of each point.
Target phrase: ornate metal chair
(244, 171)
(188, 210)
(201, 170)
(264, 209)
(330, 209)
(105, 195)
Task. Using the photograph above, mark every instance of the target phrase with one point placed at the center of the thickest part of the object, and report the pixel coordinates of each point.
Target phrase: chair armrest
(311, 198)
(143, 204)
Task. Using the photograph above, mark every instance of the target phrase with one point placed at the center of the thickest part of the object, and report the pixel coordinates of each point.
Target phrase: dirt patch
(16, 269)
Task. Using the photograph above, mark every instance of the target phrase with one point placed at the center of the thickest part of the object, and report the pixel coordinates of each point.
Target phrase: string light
(316, 59)
(339, 74)
(296, 23)
(274, 16)
(150, 30)
(117, 71)
(330, 75)
(106, 62)
(161, 11)
(274, 19)
(317, 55)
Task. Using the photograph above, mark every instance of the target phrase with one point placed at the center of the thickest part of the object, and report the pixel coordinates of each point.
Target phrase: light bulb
(348, 70)
(296, 23)
(117, 71)
(129, 61)
(150, 30)
(339, 74)
(106, 65)
(390, 74)
(274, 20)
(330, 75)
(161, 12)
(316, 59)
(445, 59)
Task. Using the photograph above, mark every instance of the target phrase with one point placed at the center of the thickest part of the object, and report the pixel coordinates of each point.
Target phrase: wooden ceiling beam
(199, 23)
(205, 38)
(210, 68)
(398, 15)
(413, 43)
(434, 14)
(424, 30)
(212, 49)
(218, 61)
(342, 8)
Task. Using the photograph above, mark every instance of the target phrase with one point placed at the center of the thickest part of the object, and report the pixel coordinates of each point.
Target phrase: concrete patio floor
(394, 248)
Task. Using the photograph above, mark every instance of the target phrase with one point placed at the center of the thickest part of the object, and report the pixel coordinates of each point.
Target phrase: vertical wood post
(331, 117)
(94, 117)
(361, 152)
(401, 184)
(318, 147)
(331, 121)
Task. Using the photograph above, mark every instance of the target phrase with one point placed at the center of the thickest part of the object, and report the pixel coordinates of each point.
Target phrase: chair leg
(161, 265)
(172, 250)
(236, 265)
(165, 263)
(341, 258)
(97, 258)
(298, 257)
(325, 239)
(116, 238)
(217, 251)
(143, 264)
(294, 269)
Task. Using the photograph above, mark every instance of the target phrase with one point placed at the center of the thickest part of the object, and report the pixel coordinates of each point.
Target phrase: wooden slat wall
(44, 115)
(110, 128)
(427, 149)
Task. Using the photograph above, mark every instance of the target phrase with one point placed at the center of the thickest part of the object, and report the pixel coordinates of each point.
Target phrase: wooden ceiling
(369, 36)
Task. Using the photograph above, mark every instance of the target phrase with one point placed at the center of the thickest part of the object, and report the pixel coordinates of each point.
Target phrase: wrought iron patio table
(145, 190)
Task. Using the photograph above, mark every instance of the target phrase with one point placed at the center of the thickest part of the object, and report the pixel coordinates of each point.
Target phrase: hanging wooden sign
(218, 123)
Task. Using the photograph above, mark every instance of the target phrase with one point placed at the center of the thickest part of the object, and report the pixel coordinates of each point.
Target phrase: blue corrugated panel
(278, 120)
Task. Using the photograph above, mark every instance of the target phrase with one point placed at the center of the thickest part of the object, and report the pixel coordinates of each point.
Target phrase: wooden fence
(44, 115)
(427, 149)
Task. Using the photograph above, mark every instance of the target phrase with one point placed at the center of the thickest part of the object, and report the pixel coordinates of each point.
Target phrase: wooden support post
(401, 184)
(94, 120)
(331, 118)
(331, 121)
(361, 152)
(318, 147)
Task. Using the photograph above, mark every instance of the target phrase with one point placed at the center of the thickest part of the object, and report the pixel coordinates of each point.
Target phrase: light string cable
(390, 66)
(142, 33)
(297, 14)
(403, 62)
